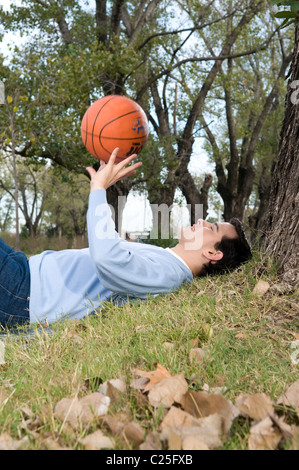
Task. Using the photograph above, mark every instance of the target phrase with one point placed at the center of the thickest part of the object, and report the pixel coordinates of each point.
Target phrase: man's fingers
(123, 162)
(113, 156)
(128, 160)
(91, 171)
(135, 166)
(130, 170)
(109, 173)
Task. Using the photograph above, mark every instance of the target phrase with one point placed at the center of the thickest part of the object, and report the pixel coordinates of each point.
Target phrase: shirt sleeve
(119, 268)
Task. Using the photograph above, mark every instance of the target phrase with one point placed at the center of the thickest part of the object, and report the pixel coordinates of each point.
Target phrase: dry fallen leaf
(73, 411)
(118, 384)
(93, 405)
(193, 443)
(97, 441)
(291, 397)
(285, 429)
(264, 436)
(261, 287)
(3, 396)
(202, 404)
(133, 434)
(196, 355)
(117, 422)
(168, 391)
(168, 345)
(209, 433)
(139, 384)
(178, 417)
(154, 376)
(115, 389)
(51, 443)
(257, 406)
(8, 443)
(241, 335)
(69, 410)
(214, 390)
(295, 441)
(27, 412)
(174, 438)
(152, 442)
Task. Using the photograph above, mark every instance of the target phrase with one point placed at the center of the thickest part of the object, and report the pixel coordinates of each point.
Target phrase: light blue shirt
(74, 283)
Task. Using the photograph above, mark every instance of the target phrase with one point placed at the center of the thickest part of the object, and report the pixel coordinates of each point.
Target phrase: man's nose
(204, 223)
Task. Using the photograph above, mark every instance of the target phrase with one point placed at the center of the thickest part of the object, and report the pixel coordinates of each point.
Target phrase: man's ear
(213, 255)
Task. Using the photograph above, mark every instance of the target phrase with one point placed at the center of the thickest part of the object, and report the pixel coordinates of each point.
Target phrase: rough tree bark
(194, 196)
(281, 228)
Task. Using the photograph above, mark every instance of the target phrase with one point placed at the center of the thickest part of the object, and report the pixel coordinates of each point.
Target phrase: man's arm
(120, 268)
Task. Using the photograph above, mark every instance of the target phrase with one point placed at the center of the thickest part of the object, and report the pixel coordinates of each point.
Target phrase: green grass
(39, 372)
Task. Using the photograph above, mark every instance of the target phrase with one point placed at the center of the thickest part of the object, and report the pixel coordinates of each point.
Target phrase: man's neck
(193, 261)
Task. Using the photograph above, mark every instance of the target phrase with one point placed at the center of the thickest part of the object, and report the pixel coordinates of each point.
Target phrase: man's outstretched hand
(111, 172)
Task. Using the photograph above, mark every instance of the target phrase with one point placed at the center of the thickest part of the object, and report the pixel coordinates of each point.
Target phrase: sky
(137, 214)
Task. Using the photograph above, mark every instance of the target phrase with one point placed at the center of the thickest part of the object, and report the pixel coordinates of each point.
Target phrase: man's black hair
(235, 252)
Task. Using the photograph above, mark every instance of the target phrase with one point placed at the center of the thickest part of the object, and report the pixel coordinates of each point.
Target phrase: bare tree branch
(184, 30)
(225, 53)
(221, 57)
(143, 16)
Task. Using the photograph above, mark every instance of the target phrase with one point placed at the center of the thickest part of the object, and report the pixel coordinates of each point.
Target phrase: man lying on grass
(74, 283)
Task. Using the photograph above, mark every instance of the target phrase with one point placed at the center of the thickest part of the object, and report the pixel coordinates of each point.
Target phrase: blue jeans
(14, 287)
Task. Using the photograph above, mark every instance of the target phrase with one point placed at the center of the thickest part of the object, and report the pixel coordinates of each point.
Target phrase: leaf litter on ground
(188, 419)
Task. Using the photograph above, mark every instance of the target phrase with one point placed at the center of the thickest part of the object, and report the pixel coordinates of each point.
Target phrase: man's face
(204, 235)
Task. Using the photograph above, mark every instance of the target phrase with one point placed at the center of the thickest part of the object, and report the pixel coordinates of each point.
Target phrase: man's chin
(192, 240)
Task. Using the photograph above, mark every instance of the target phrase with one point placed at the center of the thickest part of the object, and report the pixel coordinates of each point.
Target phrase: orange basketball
(114, 121)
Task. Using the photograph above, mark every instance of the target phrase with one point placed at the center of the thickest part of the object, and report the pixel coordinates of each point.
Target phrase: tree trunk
(257, 220)
(16, 176)
(282, 224)
(116, 198)
(198, 200)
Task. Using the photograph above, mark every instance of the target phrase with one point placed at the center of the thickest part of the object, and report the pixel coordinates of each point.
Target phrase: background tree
(33, 190)
(138, 49)
(198, 79)
(246, 98)
(11, 136)
(281, 226)
(66, 205)
(72, 69)
(6, 208)
(153, 51)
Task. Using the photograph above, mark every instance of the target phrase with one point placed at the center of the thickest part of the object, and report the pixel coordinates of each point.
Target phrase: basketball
(114, 121)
